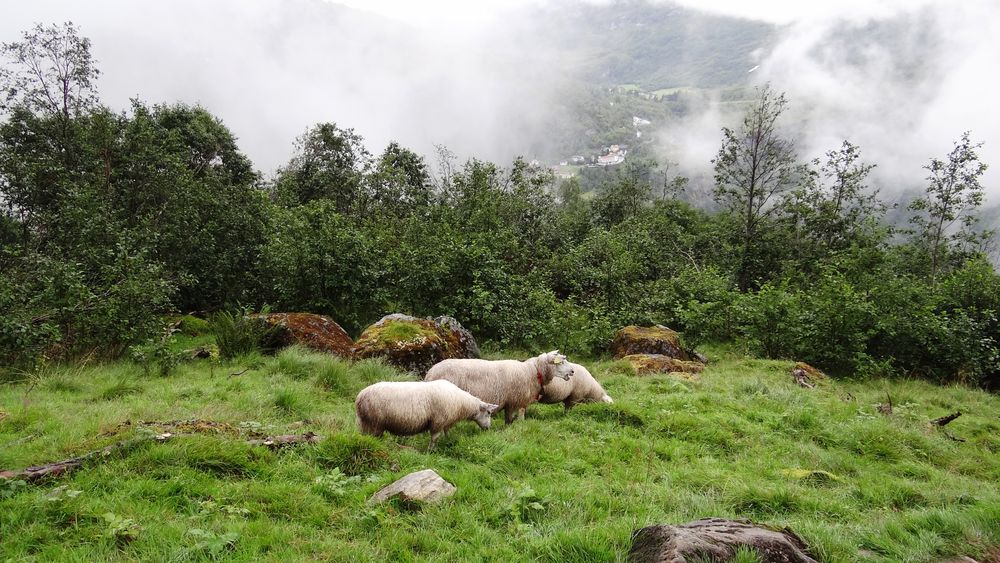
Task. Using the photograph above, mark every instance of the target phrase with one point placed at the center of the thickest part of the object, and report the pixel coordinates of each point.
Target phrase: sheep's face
(485, 415)
(558, 366)
(607, 399)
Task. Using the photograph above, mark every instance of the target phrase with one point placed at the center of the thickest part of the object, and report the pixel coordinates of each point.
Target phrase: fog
(901, 79)
(270, 69)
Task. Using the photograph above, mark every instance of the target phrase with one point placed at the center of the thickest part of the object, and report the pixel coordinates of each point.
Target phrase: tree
(330, 163)
(754, 165)
(945, 214)
(400, 182)
(834, 205)
(625, 195)
(53, 72)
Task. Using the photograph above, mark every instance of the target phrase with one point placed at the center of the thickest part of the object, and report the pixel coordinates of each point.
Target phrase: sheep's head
(607, 399)
(484, 416)
(556, 365)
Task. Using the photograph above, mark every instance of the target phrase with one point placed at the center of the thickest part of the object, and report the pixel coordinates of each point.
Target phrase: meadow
(743, 441)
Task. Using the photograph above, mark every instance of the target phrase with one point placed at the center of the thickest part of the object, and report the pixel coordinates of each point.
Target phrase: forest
(112, 220)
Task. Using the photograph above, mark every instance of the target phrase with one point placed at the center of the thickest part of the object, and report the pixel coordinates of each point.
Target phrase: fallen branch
(802, 378)
(951, 436)
(885, 408)
(38, 472)
(239, 373)
(54, 469)
(944, 420)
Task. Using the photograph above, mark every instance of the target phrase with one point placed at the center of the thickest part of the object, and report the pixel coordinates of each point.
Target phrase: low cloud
(902, 80)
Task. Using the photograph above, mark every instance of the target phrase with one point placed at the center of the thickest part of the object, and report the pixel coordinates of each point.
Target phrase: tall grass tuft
(239, 333)
(335, 376)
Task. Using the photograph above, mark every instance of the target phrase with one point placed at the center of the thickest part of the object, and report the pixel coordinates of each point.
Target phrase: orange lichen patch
(318, 332)
(648, 340)
(645, 364)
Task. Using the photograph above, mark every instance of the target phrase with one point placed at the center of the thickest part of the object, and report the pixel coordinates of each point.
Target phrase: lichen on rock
(648, 340)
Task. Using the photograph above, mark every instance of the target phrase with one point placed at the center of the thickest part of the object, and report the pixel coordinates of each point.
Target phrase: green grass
(743, 442)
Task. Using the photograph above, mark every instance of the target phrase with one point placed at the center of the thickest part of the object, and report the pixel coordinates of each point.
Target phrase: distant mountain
(654, 45)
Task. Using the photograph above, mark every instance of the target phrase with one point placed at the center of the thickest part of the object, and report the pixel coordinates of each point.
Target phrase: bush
(53, 308)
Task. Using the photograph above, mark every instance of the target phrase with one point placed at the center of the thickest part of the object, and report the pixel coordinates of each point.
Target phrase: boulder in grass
(415, 344)
(318, 332)
(422, 486)
(648, 340)
(715, 539)
(647, 364)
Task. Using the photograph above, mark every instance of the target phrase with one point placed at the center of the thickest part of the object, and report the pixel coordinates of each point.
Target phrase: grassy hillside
(557, 487)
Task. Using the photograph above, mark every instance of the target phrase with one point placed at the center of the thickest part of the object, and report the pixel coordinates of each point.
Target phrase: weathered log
(944, 420)
(54, 469)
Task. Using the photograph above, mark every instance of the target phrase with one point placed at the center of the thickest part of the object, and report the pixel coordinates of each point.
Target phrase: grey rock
(424, 486)
(715, 539)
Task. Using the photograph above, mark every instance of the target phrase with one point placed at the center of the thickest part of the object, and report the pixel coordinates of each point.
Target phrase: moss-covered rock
(648, 340)
(318, 332)
(645, 364)
(191, 325)
(415, 344)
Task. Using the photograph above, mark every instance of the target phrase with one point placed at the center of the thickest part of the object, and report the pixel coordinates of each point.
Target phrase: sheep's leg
(508, 415)
(520, 413)
(434, 438)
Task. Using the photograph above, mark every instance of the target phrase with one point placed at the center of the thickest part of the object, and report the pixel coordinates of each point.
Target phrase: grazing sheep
(509, 383)
(405, 408)
(582, 388)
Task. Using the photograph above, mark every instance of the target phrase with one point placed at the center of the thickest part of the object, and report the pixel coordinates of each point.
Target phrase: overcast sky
(440, 72)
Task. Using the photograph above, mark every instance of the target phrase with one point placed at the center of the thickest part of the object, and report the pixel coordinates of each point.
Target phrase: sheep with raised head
(581, 388)
(511, 384)
(405, 408)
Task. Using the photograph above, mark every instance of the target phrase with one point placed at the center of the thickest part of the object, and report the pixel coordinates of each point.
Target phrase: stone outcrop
(715, 539)
(318, 332)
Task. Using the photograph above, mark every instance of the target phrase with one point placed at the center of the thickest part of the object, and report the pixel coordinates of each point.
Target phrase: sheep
(405, 408)
(582, 388)
(512, 384)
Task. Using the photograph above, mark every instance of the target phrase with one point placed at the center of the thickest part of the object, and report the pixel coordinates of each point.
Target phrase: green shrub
(55, 308)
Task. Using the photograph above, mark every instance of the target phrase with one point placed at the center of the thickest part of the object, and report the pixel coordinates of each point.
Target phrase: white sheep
(511, 384)
(582, 388)
(405, 408)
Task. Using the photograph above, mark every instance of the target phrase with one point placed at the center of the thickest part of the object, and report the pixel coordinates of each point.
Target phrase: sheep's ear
(490, 408)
